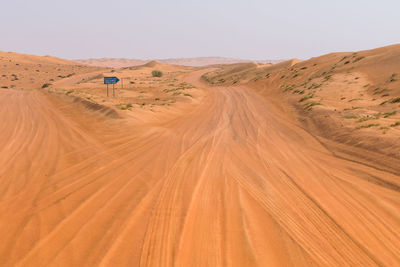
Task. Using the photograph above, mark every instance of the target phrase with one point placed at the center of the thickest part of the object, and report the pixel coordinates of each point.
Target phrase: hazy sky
(252, 29)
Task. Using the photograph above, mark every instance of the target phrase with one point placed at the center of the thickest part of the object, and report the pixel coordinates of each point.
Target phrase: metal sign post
(111, 80)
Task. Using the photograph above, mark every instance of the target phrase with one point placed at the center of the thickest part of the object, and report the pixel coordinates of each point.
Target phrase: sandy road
(230, 182)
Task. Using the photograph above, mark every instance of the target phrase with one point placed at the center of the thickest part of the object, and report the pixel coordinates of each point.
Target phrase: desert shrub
(397, 123)
(350, 116)
(379, 90)
(306, 97)
(157, 73)
(388, 114)
(309, 105)
(368, 125)
(394, 100)
(125, 106)
(357, 59)
(46, 85)
(300, 92)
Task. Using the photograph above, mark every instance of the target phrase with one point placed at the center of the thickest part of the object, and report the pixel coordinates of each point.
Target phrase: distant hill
(196, 62)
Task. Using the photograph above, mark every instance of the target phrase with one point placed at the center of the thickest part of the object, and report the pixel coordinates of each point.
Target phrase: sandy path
(230, 183)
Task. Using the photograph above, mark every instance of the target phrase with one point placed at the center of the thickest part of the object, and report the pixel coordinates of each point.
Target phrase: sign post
(111, 80)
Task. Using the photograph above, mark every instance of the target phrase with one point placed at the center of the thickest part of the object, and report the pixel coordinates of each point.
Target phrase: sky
(252, 29)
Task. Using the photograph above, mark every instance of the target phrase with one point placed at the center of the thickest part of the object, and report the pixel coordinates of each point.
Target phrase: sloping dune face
(350, 100)
(228, 181)
(29, 71)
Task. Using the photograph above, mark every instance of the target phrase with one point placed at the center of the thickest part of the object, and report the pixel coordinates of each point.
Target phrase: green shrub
(157, 73)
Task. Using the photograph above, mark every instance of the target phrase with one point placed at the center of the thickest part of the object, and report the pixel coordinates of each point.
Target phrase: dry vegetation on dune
(350, 98)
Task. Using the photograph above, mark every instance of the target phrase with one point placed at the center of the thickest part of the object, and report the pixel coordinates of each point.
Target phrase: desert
(186, 133)
(241, 165)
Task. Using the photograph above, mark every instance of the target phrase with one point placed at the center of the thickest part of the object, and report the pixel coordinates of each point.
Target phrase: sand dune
(224, 177)
(29, 71)
(349, 100)
(194, 62)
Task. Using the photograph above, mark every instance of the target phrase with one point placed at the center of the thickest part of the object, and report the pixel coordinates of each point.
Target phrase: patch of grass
(391, 101)
(352, 108)
(46, 85)
(304, 98)
(343, 58)
(394, 100)
(388, 114)
(367, 125)
(342, 98)
(310, 105)
(315, 86)
(69, 92)
(300, 92)
(358, 59)
(367, 118)
(124, 106)
(327, 77)
(397, 123)
(347, 62)
(393, 77)
(288, 87)
(379, 90)
(352, 116)
(189, 95)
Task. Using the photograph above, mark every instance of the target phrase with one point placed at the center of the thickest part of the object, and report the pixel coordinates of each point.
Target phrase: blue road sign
(111, 80)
